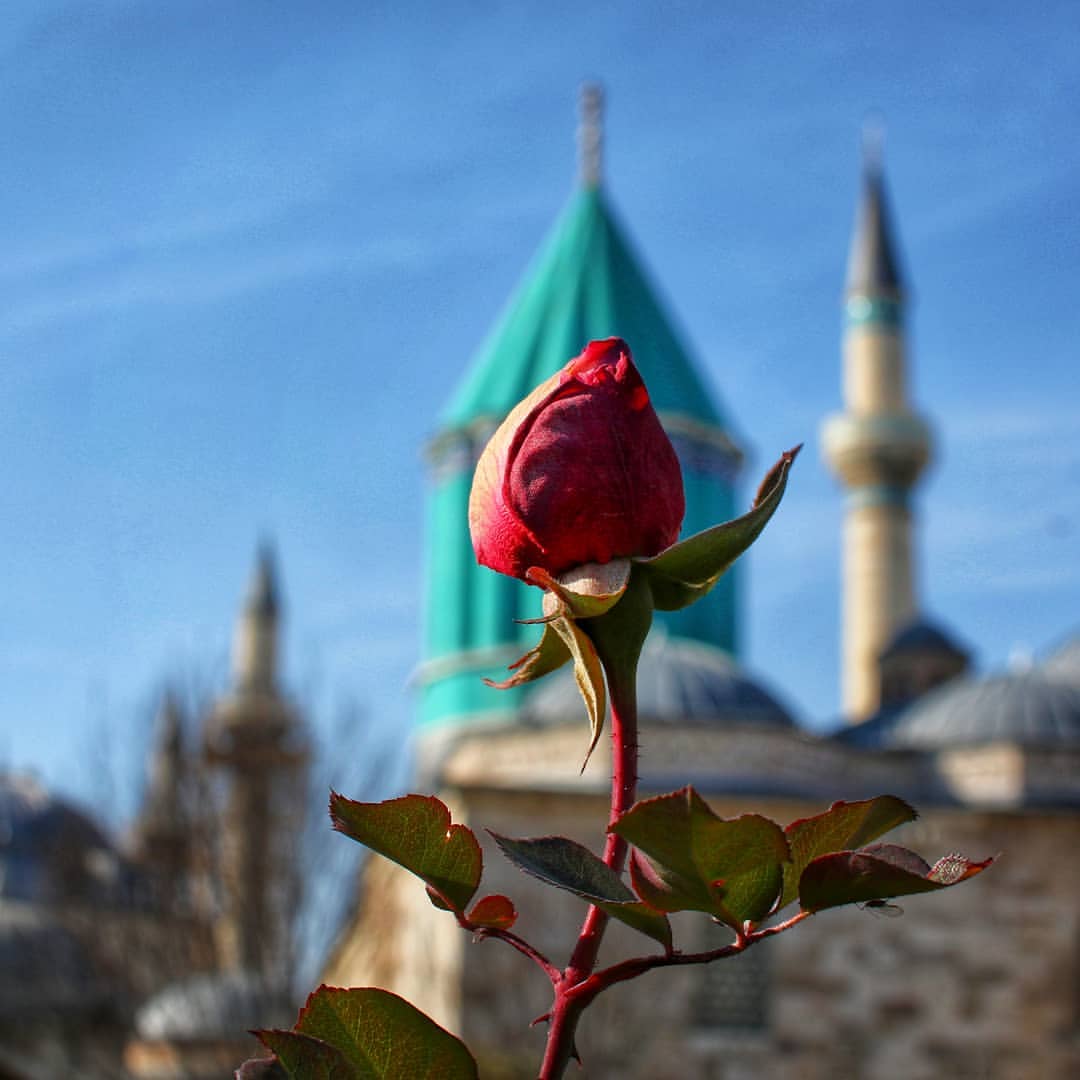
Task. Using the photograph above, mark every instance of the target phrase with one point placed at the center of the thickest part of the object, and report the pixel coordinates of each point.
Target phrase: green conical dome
(586, 283)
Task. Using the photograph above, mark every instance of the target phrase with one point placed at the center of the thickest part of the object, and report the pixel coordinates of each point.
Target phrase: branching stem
(522, 946)
(618, 637)
(585, 991)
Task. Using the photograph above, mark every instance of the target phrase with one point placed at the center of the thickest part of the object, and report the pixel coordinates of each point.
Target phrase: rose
(580, 472)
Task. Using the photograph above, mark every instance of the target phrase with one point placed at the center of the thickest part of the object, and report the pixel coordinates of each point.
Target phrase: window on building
(732, 995)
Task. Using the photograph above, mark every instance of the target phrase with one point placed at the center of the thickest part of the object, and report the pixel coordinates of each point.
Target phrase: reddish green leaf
(686, 571)
(751, 896)
(496, 912)
(548, 656)
(415, 832)
(878, 872)
(843, 827)
(731, 869)
(382, 1037)
(748, 897)
(651, 887)
(303, 1057)
(437, 900)
(571, 866)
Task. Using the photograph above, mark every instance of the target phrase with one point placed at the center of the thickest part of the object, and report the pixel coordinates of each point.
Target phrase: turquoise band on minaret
(872, 311)
(877, 495)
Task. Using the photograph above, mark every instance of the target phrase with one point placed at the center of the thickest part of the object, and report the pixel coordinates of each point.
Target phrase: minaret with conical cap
(256, 636)
(255, 737)
(164, 831)
(586, 282)
(878, 447)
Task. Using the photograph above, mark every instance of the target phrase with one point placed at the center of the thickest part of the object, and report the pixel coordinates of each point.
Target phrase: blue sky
(249, 248)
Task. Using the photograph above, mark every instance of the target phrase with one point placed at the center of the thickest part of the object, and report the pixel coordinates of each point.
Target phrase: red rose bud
(580, 472)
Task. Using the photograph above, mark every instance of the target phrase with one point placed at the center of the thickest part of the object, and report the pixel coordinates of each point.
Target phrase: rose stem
(618, 637)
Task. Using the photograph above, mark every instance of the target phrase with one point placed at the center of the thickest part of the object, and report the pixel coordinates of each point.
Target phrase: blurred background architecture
(148, 952)
(992, 762)
(152, 955)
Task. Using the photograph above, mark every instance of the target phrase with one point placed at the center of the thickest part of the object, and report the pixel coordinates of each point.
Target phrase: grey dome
(921, 635)
(679, 682)
(50, 850)
(1028, 708)
(213, 1007)
(1064, 662)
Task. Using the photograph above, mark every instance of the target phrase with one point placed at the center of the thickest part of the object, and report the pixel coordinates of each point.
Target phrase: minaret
(255, 640)
(164, 832)
(878, 447)
(257, 740)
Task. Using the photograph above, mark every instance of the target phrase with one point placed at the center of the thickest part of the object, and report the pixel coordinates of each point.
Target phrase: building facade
(151, 958)
(981, 982)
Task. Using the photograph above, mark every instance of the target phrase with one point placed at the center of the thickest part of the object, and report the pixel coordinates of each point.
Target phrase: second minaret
(878, 447)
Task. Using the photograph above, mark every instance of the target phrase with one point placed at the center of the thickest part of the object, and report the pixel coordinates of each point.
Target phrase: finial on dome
(873, 143)
(591, 135)
(263, 591)
(255, 640)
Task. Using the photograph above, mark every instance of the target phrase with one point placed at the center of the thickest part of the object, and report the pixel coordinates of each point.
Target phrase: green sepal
(878, 872)
(569, 865)
(686, 571)
(731, 869)
(615, 606)
(583, 592)
(548, 656)
(415, 832)
(843, 827)
(588, 674)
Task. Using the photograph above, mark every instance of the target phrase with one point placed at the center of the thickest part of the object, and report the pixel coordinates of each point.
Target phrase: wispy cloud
(158, 238)
(206, 281)
(1037, 577)
(978, 204)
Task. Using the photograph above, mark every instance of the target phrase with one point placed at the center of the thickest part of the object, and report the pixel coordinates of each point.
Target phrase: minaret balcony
(889, 449)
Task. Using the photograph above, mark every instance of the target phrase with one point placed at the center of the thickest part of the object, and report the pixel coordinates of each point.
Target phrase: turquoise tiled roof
(585, 283)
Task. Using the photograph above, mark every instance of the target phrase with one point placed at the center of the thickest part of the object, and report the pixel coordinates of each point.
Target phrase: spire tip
(591, 135)
(873, 143)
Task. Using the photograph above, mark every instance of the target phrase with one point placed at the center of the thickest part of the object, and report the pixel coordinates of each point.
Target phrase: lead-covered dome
(1029, 709)
(51, 851)
(1063, 663)
(679, 682)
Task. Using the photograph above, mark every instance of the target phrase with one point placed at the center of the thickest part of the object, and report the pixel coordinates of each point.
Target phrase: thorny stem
(567, 1011)
(618, 637)
(624, 753)
(618, 641)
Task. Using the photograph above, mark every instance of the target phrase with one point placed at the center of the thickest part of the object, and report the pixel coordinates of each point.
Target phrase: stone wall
(976, 982)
